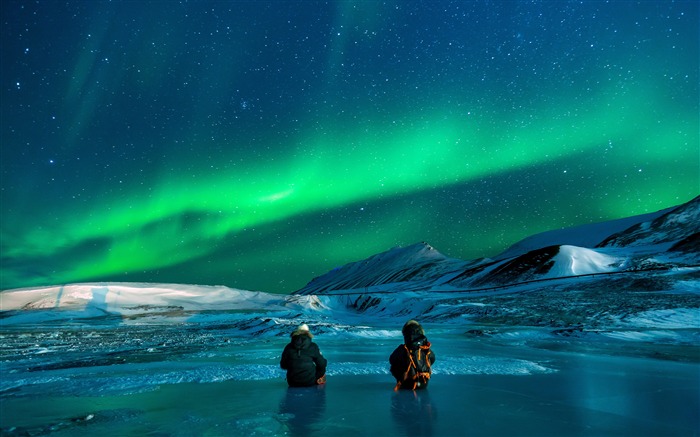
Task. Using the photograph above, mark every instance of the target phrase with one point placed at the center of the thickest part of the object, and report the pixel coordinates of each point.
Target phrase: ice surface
(479, 388)
(180, 360)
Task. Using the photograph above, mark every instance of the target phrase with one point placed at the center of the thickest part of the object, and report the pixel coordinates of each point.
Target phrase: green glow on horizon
(183, 218)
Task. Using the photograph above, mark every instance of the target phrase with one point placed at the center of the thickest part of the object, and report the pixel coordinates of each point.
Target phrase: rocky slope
(658, 241)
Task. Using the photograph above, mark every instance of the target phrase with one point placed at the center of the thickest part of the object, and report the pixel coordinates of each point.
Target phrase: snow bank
(125, 298)
(678, 318)
(574, 261)
(140, 378)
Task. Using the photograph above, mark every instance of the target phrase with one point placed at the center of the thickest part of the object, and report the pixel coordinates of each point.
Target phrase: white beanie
(303, 327)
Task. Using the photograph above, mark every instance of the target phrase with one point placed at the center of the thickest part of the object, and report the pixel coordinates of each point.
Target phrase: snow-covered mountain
(661, 240)
(589, 235)
(138, 301)
(679, 225)
(418, 265)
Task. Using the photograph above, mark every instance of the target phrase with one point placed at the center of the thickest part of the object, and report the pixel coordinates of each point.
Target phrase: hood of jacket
(301, 341)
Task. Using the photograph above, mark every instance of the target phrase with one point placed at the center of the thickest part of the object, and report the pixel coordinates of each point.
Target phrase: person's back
(302, 359)
(411, 362)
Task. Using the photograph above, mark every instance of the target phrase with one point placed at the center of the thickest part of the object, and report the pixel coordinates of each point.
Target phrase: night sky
(260, 144)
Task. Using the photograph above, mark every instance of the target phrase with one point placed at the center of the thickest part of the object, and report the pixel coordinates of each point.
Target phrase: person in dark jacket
(303, 361)
(411, 363)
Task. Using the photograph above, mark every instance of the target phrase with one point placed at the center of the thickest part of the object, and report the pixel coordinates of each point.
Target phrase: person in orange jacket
(411, 363)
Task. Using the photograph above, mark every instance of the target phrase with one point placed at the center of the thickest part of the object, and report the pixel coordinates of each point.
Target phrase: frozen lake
(207, 379)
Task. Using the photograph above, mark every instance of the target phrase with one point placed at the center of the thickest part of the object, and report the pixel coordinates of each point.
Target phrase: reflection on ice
(413, 412)
(302, 408)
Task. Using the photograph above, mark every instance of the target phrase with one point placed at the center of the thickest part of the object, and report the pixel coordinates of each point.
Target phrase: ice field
(169, 370)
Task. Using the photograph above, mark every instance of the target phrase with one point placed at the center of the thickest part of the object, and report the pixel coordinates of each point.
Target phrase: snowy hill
(662, 240)
(115, 297)
(418, 264)
(136, 301)
(546, 263)
(589, 235)
(679, 224)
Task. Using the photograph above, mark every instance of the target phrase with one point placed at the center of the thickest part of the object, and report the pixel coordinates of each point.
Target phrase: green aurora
(263, 156)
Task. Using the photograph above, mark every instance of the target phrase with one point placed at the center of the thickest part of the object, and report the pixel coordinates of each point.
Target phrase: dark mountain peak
(522, 268)
(399, 264)
(674, 226)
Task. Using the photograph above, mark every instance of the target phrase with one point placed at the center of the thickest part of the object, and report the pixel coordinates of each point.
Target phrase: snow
(644, 336)
(419, 263)
(588, 235)
(645, 242)
(573, 261)
(122, 298)
(672, 318)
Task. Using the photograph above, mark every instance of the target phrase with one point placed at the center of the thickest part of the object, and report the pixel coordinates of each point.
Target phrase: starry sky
(258, 144)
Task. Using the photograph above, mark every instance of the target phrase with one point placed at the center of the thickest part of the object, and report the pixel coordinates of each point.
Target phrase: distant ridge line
(499, 287)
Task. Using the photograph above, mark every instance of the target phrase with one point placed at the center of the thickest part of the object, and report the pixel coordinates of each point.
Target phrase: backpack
(418, 373)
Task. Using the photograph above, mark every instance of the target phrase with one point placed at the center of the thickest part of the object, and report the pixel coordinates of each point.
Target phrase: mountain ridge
(662, 240)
